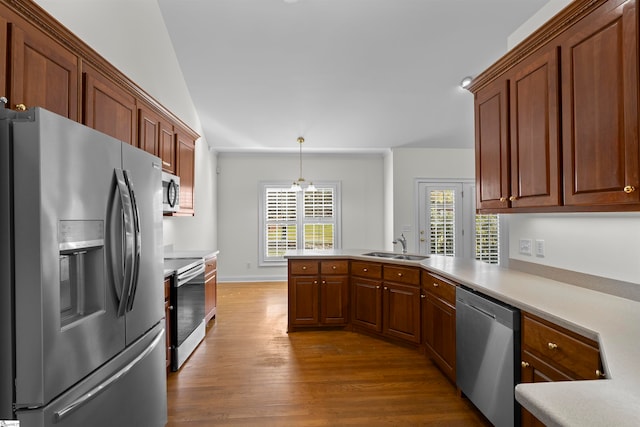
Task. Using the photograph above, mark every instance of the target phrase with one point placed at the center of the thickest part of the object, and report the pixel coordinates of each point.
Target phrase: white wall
(131, 35)
(410, 164)
(361, 178)
(606, 245)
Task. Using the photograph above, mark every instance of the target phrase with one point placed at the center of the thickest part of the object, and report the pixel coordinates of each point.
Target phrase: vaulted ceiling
(347, 75)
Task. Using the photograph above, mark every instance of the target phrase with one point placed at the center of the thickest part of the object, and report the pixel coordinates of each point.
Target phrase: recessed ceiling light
(466, 82)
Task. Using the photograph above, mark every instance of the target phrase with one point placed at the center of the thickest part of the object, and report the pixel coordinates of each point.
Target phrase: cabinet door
(108, 108)
(148, 131)
(401, 312)
(366, 303)
(492, 146)
(534, 122)
(167, 147)
(334, 300)
(439, 333)
(599, 107)
(186, 169)
(303, 301)
(43, 73)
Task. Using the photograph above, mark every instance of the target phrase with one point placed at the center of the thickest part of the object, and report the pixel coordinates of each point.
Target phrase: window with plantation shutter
(442, 230)
(487, 237)
(292, 220)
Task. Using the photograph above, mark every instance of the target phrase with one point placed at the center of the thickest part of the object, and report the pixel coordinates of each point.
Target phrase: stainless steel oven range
(187, 316)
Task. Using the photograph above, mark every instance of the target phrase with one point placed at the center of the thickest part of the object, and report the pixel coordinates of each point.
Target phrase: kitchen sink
(393, 255)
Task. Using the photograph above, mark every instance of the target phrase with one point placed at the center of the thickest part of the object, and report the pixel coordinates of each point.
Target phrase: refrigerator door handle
(137, 246)
(129, 240)
(100, 388)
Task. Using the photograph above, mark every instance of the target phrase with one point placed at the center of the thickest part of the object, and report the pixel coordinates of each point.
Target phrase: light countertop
(612, 321)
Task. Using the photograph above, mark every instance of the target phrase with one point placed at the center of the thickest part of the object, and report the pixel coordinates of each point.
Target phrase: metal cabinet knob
(365, 270)
(435, 285)
(399, 274)
(503, 199)
(386, 288)
(315, 282)
(524, 364)
(334, 267)
(513, 198)
(629, 189)
(170, 307)
(21, 107)
(378, 287)
(552, 346)
(600, 374)
(423, 296)
(304, 267)
(324, 282)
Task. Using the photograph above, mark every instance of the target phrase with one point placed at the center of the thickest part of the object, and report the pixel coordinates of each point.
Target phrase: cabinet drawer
(406, 275)
(439, 287)
(211, 263)
(334, 267)
(369, 270)
(303, 267)
(569, 351)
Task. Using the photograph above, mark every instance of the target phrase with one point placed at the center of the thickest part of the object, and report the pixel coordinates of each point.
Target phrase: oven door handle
(188, 275)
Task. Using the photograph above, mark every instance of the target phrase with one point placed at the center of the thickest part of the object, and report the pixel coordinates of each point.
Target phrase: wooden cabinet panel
(439, 333)
(600, 114)
(148, 130)
(185, 169)
(43, 73)
(439, 287)
(4, 32)
(534, 121)
(210, 288)
(303, 301)
(409, 275)
(303, 266)
(108, 108)
(492, 146)
(334, 267)
(334, 299)
(167, 147)
(401, 312)
(366, 303)
(366, 269)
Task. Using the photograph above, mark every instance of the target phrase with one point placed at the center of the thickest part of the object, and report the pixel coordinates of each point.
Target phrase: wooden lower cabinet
(318, 293)
(439, 322)
(386, 300)
(167, 320)
(552, 353)
(210, 288)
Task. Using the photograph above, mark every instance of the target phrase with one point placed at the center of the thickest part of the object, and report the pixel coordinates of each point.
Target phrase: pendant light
(297, 185)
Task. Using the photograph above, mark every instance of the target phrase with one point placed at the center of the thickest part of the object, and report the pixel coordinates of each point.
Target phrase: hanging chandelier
(297, 185)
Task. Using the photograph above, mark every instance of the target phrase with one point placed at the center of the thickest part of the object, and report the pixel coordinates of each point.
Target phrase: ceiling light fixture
(466, 82)
(297, 185)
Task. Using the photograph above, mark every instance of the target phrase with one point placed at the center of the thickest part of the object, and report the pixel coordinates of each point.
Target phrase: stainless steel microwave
(170, 193)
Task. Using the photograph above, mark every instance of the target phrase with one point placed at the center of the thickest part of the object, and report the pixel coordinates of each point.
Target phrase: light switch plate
(525, 246)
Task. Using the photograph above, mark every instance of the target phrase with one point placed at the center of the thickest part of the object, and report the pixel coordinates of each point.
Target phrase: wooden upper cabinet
(4, 31)
(185, 158)
(167, 147)
(534, 121)
(600, 112)
(43, 73)
(148, 130)
(109, 108)
(492, 145)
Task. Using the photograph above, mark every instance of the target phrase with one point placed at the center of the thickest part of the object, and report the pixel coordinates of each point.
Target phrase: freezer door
(145, 306)
(129, 391)
(66, 322)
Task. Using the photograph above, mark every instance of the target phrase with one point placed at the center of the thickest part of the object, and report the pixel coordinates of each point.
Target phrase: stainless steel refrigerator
(81, 275)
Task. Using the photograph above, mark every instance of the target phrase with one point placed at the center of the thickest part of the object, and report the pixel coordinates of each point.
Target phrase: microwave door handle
(128, 228)
(137, 246)
(100, 388)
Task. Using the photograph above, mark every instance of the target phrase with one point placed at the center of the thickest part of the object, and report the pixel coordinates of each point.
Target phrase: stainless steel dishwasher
(488, 355)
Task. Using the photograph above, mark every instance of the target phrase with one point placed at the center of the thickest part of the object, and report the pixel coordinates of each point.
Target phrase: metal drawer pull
(600, 374)
(629, 189)
(304, 267)
(524, 364)
(435, 285)
(334, 267)
(365, 270)
(552, 346)
(399, 274)
(423, 296)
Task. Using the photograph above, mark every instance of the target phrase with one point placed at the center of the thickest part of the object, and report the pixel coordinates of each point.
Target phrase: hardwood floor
(249, 372)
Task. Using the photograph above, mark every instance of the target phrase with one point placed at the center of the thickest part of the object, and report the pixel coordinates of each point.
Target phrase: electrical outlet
(539, 248)
(525, 246)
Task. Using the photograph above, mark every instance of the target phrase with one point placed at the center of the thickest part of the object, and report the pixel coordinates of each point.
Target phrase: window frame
(263, 260)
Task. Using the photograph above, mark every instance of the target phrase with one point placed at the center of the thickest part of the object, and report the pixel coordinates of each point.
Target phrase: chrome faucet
(403, 242)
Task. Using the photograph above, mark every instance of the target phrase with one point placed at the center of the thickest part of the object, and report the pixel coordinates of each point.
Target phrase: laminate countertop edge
(611, 320)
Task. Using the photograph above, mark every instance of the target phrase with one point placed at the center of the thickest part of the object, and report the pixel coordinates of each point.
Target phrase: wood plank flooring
(249, 372)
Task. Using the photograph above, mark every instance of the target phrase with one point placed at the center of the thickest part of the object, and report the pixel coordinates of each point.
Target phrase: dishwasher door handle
(486, 313)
